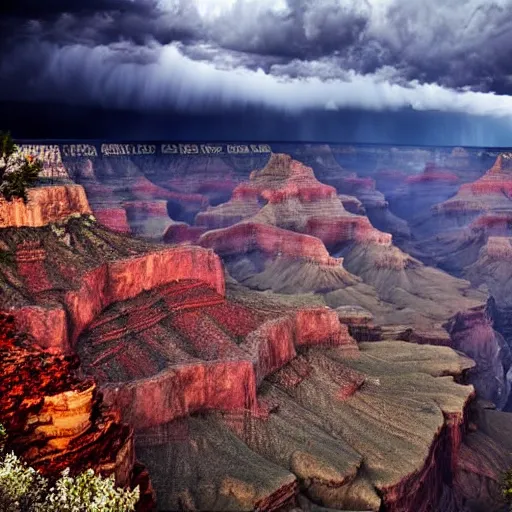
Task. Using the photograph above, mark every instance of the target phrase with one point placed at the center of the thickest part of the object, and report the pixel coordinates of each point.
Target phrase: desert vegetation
(17, 172)
(23, 489)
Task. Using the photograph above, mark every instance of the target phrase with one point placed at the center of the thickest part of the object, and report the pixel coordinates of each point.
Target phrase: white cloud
(175, 80)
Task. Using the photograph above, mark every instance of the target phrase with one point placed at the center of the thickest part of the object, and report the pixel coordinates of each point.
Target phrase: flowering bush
(17, 172)
(23, 489)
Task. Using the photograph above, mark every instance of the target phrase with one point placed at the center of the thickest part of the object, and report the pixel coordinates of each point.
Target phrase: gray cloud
(193, 54)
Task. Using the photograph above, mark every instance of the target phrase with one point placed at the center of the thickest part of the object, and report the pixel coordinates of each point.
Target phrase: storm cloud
(290, 55)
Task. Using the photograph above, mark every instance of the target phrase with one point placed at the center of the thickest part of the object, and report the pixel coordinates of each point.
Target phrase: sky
(397, 71)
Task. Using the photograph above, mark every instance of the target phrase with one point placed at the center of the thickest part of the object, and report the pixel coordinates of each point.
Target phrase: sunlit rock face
(56, 420)
(61, 280)
(324, 160)
(45, 205)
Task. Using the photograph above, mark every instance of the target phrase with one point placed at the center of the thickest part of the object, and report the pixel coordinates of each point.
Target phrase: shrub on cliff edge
(17, 173)
(23, 489)
(507, 489)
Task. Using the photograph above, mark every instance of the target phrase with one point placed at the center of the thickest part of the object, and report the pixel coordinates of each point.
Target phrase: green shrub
(507, 488)
(23, 489)
(17, 173)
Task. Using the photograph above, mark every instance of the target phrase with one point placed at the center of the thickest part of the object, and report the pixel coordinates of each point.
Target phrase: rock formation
(124, 199)
(89, 268)
(492, 193)
(45, 205)
(56, 420)
(322, 160)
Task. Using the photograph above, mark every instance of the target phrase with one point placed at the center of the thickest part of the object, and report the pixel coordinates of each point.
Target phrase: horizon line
(245, 141)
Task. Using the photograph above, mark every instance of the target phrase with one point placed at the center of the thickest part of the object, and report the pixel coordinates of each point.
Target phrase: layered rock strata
(45, 205)
(65, 277)
(55, 420)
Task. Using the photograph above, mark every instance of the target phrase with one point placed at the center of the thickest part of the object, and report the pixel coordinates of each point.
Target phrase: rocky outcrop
(247, 237)
(490, 193)
(45, 205)
(329, 171)
(322, 426)
(93, 269)
(189, 363)
(56, 420)
(472, 332)
(286, 194)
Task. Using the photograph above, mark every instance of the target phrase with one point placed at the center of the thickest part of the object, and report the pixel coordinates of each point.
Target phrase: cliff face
(56, 420)
(113, 282)
(201, 352)
(315, 428)
(472, 333)
(45, 205)
(65, 276)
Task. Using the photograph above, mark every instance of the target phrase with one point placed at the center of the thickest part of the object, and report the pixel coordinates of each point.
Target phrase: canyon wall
(111, 282)
(45, 205)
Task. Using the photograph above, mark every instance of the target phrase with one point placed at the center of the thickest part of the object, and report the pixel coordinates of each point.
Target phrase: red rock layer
(113, 218)
(284, 178)
(183, 348)
(493, 191)
(58, 327)
(45, 205)
(432, 173)
(55, 420)
(493, 223)
(247, 237)
(346, 229)
(181, 232)
(498, 179)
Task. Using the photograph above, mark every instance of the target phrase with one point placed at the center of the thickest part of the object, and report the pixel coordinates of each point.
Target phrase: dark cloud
(177, 53)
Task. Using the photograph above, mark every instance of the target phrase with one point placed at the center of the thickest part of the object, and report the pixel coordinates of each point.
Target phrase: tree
(17, 172)
(23, 489)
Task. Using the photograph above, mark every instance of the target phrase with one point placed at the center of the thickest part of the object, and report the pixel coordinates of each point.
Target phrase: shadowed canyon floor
(297, 343)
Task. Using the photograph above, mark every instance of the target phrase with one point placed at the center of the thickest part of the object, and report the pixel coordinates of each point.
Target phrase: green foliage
(507, 488)
(17, 173)
(23, 489)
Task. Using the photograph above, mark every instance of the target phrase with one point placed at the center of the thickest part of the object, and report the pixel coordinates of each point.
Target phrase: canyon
(259, 332)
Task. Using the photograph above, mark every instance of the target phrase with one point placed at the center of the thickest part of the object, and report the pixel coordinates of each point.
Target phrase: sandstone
(62, 303)
(113, 218)
(178, 372)
(55, 420)
(45, 205)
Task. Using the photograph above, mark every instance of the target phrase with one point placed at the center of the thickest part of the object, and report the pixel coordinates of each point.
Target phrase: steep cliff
(45, 205)
(324, 424)
(56, 420)
(64, 277)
